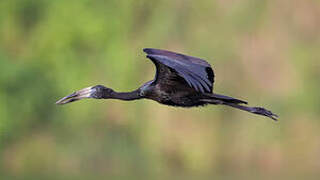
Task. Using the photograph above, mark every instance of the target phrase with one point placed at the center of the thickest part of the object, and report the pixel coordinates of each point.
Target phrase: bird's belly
(176, 98)
(181, 102)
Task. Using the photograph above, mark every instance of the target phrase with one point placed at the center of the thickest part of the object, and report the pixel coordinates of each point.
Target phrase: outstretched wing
(196, 72)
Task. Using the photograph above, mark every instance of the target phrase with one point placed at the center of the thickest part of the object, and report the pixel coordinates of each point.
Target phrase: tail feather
(226, 98)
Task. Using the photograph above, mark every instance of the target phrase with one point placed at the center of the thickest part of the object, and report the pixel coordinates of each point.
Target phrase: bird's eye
(141, 93)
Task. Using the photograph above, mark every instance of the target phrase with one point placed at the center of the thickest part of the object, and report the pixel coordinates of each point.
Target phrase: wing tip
(147, 50)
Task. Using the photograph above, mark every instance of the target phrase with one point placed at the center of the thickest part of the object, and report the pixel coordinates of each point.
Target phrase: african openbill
(180, 80)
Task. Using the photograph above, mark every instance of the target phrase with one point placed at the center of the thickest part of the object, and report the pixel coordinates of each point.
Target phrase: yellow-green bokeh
(266, 52)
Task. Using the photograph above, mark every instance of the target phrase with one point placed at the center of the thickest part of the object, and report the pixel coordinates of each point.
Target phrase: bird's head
(96, 92)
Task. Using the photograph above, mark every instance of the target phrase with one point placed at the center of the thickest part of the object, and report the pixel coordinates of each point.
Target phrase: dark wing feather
(196, 72)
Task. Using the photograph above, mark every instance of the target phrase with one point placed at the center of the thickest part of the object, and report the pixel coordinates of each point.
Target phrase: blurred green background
(266, 52)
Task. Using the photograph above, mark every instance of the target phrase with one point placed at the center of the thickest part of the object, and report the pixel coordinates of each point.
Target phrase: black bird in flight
(180, 80)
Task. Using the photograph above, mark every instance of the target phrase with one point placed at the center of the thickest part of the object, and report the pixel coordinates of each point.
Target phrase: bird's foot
(264, 112)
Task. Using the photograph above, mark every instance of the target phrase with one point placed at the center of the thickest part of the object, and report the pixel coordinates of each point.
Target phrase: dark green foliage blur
(265, 52)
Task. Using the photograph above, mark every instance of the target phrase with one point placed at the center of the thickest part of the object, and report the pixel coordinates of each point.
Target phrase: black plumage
(196, 72)
(180, 80)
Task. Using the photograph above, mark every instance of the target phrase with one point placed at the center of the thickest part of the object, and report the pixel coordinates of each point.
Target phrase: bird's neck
(133, 95)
